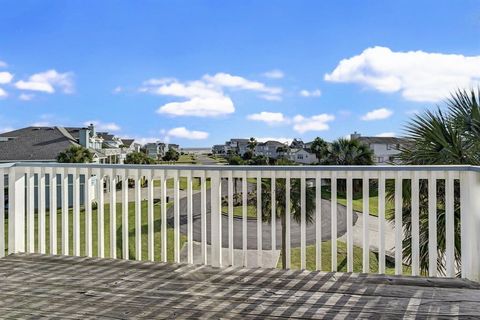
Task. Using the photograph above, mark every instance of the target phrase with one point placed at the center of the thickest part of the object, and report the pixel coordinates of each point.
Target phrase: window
(380, 159)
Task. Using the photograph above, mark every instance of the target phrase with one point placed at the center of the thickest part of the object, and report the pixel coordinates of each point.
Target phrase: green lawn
(238, 211)
(341, 259)
(131, 228)
(183, 183)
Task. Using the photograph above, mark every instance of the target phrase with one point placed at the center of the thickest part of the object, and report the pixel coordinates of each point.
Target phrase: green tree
(75, 154)
(320, 148)
(171, 155)
(252, 143)
(439, 138)
(138, 158)
(235, 160)
(280, 206)
(344, 152)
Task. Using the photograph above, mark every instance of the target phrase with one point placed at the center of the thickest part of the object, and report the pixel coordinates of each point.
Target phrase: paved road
(252, 224)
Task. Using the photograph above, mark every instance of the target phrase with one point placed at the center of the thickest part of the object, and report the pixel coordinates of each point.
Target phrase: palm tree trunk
(284, 241)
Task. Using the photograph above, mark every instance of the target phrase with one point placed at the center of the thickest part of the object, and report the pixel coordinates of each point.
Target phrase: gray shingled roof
(127, 142)
(34, 144)
(382, 140)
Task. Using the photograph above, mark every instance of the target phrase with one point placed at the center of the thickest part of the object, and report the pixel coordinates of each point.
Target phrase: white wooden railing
(65, 187)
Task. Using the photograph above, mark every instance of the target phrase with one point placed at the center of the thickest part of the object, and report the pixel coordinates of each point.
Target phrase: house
(238, 146)
(269, 149)
(219, 149)
(303, 156)
(173, 146)
(155, 150)
(385, 149)
(43, 144)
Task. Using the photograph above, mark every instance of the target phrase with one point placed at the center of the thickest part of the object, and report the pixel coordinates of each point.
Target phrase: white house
(385, 149)
(303, 156)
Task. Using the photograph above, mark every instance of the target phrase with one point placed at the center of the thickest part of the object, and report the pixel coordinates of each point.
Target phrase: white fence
(220, 235)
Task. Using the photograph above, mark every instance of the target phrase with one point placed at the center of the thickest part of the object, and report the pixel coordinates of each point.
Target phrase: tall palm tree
(75, 154)
(280, 205)
(441, 137)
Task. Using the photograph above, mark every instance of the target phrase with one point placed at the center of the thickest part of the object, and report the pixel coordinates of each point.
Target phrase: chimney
(355, 135)
(93, 133)
(84, 137)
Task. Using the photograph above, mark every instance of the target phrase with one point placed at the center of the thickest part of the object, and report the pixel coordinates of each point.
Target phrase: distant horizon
(233, 69)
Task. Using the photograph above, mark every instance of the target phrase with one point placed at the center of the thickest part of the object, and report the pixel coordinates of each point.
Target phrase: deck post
(16, 210)
(470, 224)
(216, 219)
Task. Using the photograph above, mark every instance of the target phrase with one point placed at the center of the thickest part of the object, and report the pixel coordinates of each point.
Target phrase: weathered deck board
(72, 287)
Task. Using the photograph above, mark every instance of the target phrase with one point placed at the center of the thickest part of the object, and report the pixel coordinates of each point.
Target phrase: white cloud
(205, 97)
(271, 97)
(311, 93)
(42, 124)
(103, 126)
(222, 79)
(26, 96)
(3, 93)
(314, 123)
(417, 75)
(5, 77)
(6, 129)
(117, 89)
(377, 114)
(182, 132)
(270, 118)
(386, 134)
(274, 74)
(48, 82)
(3, 64)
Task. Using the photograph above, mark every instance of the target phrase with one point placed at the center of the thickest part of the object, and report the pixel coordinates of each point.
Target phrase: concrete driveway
(252, 224)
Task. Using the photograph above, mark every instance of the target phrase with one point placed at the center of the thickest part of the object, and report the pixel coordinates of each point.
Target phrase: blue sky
(200, 72)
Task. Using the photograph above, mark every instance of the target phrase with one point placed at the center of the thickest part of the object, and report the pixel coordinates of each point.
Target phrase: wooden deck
(34, 286)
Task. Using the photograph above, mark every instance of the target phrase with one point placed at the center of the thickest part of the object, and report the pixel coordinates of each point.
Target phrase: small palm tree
(280, 205)
(252, 143)
(75, 154)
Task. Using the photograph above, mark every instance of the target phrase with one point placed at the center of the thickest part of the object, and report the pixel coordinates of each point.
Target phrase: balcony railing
(43, 212)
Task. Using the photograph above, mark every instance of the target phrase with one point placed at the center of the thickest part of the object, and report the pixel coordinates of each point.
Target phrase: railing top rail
(246, 168)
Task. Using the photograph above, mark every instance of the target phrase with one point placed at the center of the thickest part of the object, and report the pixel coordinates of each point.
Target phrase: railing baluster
(349, 223)
(366, 222)
(100, 214)
(203, 205)
(288, 258)
(76, 213)
(138, 216)
(53, 211)
(230, 217)
(150, 222)
(176, 231)
(113, 214)
(65, 213)
(449, 225)
(334, 219)
(125, 209)
(2, 214)
(303, 228)
(274, 211)
(318, 221)
(244, 217)
(381, 222)
(189, 218)
(398, 224)
(88, 214)
(259, 220)
(432, 224)
(216, 219)
(163, 203)
(30, 211)
(415, 238)
(41, 212)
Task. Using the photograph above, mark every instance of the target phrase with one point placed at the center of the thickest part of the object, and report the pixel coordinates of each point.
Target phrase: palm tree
(75, 154)
(320, 148)
(439, 137)
(252, 143)
(280, 205)
(344, 152)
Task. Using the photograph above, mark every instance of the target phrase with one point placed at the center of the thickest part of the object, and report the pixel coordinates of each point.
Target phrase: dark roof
(105, 136)
(382, 140)
(35, 144)
(127, 142)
